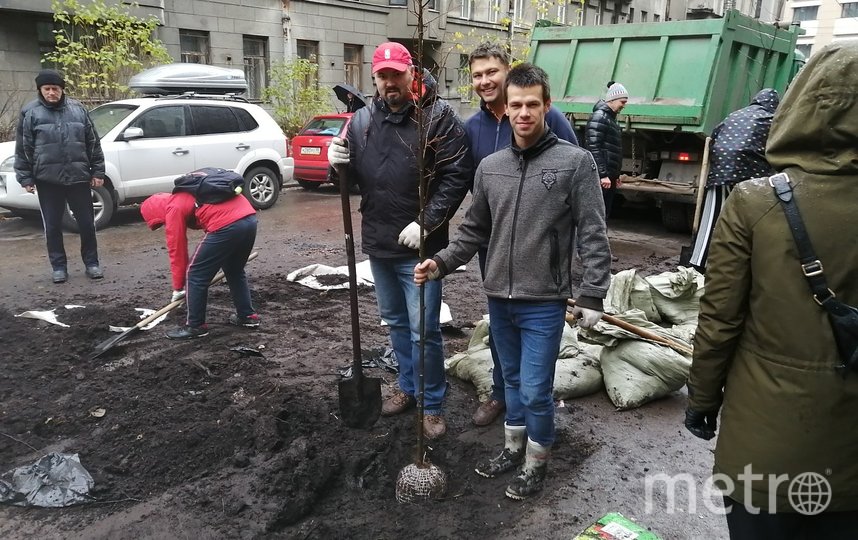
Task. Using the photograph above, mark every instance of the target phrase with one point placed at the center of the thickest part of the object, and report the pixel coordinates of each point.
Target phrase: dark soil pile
(250, 446)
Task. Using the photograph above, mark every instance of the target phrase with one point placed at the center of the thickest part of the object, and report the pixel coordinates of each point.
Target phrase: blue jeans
(399, 305)
(527, 336)
(227, 248)
(498, 391)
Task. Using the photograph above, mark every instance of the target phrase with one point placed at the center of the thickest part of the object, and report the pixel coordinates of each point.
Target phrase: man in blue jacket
(489, 131)
(58, 153)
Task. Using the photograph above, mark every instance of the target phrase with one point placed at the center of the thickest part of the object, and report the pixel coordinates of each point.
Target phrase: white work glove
(587, 318)
(177, 295)
(410, 236)
(338, 152)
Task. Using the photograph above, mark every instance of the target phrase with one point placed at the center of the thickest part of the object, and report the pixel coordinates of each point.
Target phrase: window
(643, 16)
(631, 17)
(324, 126)
(561, 12)
(802, 48)
(466, 85)
(209, 119)
(47, 41)
(656, 18)
(352, 60)
(432, 4)
(247, 121)
(398, 2)
(467, 8)
(168, 121)
(255, 65)
(309, 50)
(518, 10)
(495, 11)
(806, 13)
(849, 9)
(195, 46)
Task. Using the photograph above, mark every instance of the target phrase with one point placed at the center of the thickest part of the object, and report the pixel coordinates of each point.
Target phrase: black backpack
(210, 185)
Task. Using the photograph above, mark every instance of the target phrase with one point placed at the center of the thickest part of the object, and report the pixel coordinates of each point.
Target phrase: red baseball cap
(391, 55)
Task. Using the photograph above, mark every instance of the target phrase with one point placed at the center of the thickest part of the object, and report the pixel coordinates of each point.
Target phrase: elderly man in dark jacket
(764, 351)
(604, 140)
(738, 152)
(383, 148)
(58, 154)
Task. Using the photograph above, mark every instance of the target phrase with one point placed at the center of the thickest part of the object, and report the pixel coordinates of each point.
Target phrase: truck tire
(103, 206)
(677, 217)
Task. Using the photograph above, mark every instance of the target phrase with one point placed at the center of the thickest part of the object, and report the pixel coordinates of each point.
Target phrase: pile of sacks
(632, 370)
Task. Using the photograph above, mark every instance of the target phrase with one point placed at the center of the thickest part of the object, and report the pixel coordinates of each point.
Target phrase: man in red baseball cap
(381, 157)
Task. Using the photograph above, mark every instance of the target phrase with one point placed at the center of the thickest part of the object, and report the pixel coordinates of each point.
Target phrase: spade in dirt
(112, 341)
(360, 397)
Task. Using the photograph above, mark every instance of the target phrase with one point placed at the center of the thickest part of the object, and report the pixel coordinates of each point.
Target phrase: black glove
(701, 424)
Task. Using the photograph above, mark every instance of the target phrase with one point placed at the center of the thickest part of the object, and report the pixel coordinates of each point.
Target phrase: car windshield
(324, 126)
(108, 116)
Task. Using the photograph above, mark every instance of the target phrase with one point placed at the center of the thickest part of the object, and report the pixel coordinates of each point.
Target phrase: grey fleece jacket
(528, 205)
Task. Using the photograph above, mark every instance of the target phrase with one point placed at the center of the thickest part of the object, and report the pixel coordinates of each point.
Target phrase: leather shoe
(396, 403)
(94, 272)
(488, 411)
(59, 276)
(434, 426)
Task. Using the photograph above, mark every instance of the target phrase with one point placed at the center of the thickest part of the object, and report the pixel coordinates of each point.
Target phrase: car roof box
(181, 78)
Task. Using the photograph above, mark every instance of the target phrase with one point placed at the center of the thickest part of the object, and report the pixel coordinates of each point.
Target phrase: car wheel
(262, 187)
(103, 207)
(309, 184)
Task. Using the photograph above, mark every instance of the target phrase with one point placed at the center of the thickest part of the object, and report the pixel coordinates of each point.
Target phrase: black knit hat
(49, 76)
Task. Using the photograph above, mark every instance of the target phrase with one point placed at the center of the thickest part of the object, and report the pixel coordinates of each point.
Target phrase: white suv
(148, 142)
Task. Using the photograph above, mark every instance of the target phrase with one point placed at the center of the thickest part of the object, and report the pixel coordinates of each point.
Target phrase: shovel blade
(111, 342)
(360, 401)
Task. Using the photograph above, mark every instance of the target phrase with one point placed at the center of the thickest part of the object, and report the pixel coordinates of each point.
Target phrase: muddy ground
(204, 442)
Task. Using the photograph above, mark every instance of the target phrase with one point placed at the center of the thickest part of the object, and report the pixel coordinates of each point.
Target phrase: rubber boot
(531, 476)
(512, 455)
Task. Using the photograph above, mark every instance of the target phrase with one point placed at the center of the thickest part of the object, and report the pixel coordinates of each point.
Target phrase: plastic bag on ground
(576, 371)
(630, 291)
(676, 295)
(54, 481)
(637, 372)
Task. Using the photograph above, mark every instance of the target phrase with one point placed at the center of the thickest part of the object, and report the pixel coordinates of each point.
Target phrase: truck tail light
(684, 156)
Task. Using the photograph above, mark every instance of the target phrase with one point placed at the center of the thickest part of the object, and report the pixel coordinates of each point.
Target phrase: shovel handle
(173, 305)
(637, 330)
(357, 361)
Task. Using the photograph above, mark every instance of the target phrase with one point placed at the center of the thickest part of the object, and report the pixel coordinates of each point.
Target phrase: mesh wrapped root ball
(420, 482)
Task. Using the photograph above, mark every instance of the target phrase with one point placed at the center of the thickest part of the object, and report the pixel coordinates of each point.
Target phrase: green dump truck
(683, 78)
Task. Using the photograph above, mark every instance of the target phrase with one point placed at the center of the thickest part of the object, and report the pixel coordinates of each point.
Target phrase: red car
(310, 148)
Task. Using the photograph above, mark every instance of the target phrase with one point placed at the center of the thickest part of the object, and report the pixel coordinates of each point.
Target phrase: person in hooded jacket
(382, 158)
(230, 228)
(530, 202)
(58, 153)
(737, 152)
(604, 140)
(764, 351)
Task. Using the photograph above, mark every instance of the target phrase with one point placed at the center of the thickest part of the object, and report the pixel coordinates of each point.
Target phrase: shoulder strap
(811, 266)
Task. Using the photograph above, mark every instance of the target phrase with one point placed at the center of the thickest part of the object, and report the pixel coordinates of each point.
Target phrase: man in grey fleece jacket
(529, 200)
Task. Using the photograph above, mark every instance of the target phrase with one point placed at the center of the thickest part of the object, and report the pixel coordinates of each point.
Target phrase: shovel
(360, 397)
(111, 342)
(637, 330)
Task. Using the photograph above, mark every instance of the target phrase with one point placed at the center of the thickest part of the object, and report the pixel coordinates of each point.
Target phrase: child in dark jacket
(230, 228)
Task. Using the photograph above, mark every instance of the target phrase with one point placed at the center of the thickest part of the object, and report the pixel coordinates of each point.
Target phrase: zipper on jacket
(497, 135)
(522, 165)
(554, 258)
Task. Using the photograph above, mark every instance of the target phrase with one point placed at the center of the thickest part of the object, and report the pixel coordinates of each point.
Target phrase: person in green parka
(764, 352)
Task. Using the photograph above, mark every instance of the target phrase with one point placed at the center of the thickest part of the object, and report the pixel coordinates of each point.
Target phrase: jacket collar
(545, 142)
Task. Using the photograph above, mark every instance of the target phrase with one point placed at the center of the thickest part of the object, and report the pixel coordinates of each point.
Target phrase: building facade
(339, 35)
(824, 22)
